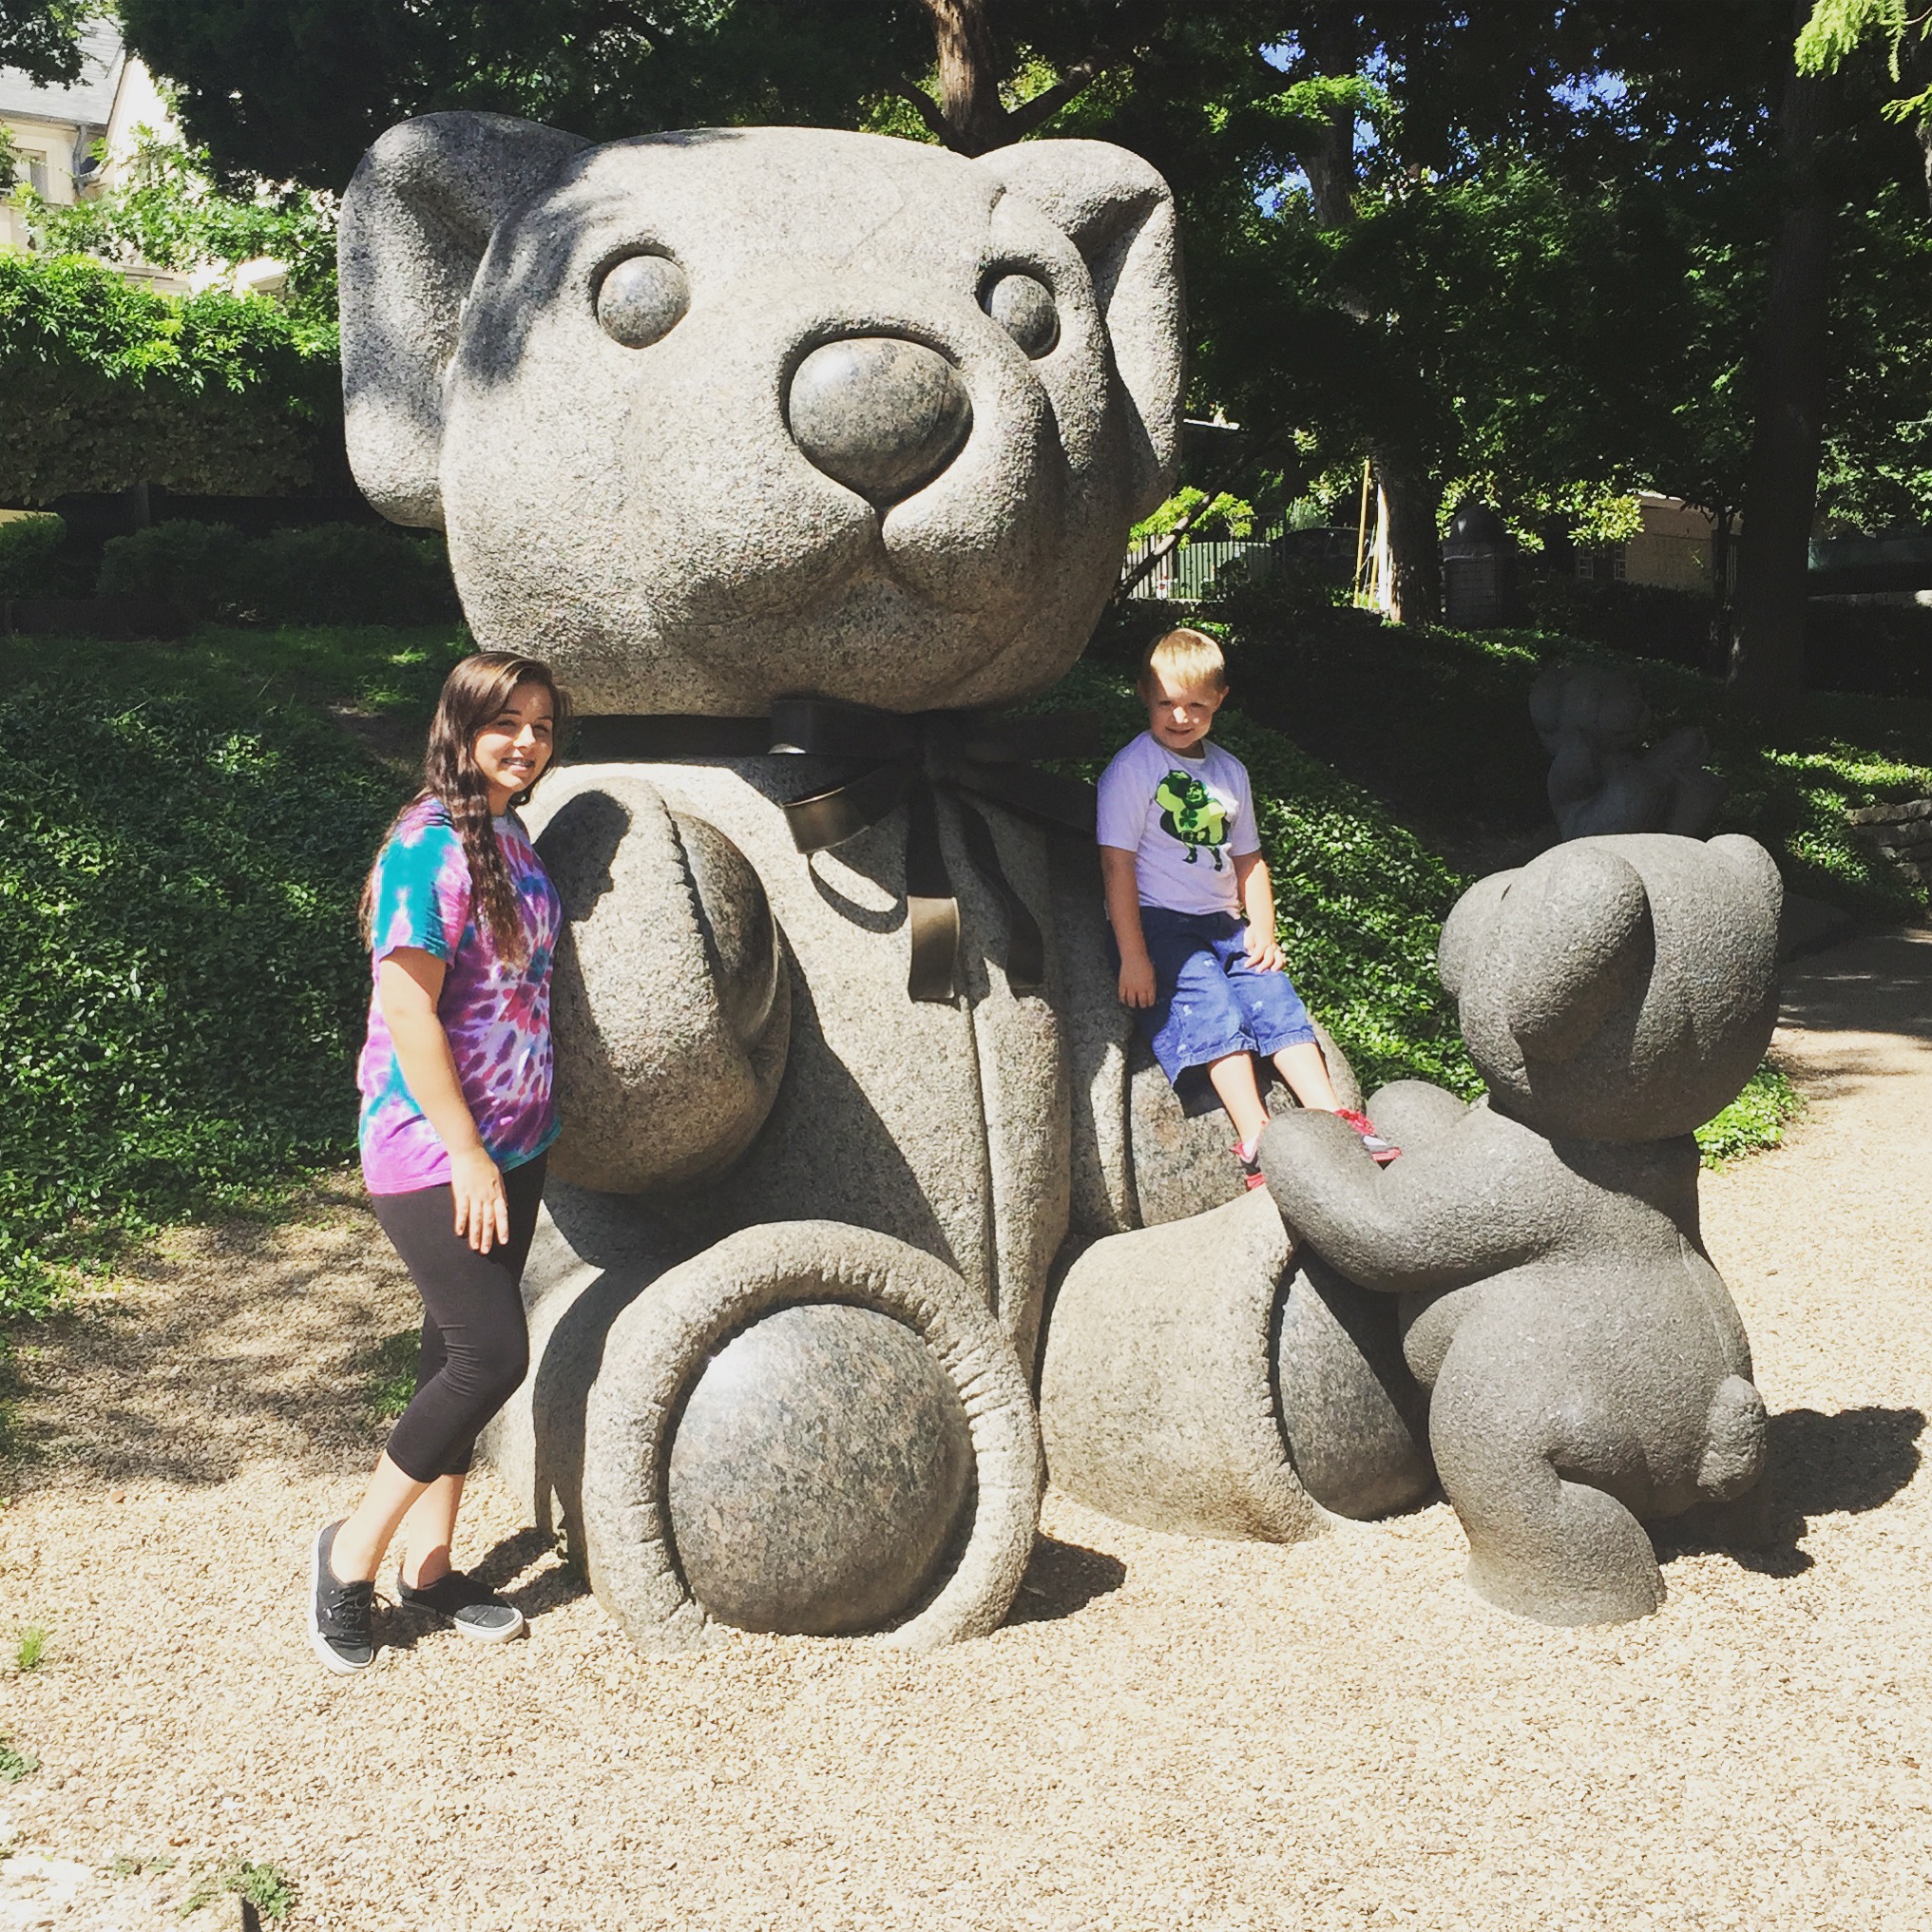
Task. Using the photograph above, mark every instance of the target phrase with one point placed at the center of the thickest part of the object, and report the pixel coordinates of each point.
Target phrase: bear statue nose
(879, 414)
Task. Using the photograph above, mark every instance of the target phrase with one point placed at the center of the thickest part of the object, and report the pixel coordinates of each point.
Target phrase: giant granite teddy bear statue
(794, 453)
(1588, 1370)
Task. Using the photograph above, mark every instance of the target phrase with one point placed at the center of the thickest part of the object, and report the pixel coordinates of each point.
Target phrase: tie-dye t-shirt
(496, 1014)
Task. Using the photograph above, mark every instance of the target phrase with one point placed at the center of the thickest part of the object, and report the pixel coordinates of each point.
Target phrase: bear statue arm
(672, 997)
(1441, 1215)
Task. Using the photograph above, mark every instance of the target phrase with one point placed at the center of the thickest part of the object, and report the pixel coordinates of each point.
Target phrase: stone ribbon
(910, 754)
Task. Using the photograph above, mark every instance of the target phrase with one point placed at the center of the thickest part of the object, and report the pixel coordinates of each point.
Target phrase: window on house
(34, 170)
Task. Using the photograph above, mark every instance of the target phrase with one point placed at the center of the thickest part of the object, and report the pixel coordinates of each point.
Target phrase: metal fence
(1196, 571)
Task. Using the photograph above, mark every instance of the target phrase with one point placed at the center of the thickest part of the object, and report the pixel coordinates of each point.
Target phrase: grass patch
(181, 984)
(390, 1375)
(29, 1647)
(1756, 1119)
(16, 1764)
(181, 989)
(133, 1865)
(272, 1892)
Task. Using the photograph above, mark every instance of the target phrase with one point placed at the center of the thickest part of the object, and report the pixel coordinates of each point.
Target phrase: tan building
(1672, 550)
(72, 144)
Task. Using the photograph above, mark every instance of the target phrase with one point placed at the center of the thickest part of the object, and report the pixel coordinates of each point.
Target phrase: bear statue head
(1619, 988)
(719, 416)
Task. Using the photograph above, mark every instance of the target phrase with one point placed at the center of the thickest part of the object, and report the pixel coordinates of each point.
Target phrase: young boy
(1191, 908)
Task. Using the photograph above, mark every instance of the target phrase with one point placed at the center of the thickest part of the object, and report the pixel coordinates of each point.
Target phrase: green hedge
(105, 384)
(327, 574)
(27, 555)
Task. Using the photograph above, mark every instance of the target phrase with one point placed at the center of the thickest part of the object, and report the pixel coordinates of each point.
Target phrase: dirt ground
(1168, 1734)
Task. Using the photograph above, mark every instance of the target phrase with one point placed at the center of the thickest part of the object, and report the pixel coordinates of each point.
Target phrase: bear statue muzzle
(880, 414)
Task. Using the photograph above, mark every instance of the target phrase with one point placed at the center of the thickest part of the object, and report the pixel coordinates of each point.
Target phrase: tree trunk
(1415, 557)
(1781, 479)
(968, 76)
(1332, 43)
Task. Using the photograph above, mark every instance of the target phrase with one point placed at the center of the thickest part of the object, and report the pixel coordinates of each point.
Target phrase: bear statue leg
(1201, 1377)
(1541, 1544)
(808, 1427)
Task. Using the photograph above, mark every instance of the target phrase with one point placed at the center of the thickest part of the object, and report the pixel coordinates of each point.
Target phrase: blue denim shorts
(1208, 1000)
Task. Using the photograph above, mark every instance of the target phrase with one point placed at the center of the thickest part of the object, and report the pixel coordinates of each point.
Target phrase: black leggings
(476, 1343)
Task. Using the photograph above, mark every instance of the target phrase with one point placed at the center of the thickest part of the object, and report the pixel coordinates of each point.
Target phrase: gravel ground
(1169, 1734)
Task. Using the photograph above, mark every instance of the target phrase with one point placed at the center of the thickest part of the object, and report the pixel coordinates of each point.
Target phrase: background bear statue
(1603, 778)
(794, 451)
(1588, 1369)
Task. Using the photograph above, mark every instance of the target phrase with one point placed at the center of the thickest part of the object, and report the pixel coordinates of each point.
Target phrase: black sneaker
(338, 1612)
(465, 1603)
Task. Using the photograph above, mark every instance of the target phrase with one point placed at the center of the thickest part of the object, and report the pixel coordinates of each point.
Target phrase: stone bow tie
(908, 754)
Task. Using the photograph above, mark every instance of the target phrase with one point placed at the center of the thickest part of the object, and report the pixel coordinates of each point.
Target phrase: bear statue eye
(641, 299)
(1023, 305)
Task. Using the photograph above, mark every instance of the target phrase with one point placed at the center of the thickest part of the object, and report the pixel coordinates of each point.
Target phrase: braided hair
(474, 694)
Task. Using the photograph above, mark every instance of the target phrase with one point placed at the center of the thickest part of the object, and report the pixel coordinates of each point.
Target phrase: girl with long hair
(457, 1116)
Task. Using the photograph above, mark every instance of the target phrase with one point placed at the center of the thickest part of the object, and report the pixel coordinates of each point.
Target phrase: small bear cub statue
(1588, 1370)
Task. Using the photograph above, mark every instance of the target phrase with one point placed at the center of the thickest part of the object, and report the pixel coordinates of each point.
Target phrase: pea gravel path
(1170, 1735)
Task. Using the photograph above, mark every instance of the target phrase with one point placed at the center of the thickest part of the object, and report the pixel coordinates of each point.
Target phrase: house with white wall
(69, 142)
(73, 143)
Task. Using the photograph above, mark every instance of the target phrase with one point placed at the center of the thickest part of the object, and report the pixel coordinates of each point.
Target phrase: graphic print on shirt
(1192, 814)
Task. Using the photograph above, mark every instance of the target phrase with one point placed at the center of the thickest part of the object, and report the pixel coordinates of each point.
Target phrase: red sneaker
(1382, 1152)
(1250, 1165)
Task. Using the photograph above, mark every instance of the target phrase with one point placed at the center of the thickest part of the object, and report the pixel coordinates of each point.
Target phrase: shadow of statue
(1817, 1464)
(1062, 1578)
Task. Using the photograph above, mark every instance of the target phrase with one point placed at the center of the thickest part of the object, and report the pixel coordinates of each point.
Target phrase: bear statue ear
(1467, 931)
(1119, 214)
(415, 221)
(1574, 940)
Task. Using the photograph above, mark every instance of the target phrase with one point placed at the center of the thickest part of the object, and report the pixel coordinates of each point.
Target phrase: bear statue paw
(809, 1428)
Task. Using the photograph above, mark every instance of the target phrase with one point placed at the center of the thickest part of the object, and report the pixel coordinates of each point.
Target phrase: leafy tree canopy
(43, 38)
(165, 210)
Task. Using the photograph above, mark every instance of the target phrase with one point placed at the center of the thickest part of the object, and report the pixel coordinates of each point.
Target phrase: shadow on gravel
(1867, 986)
(553, 1585)
(1063, 1577)
(1847, 1463)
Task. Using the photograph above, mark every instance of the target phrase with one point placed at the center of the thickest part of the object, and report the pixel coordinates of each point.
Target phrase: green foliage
(329, 573)
(29, 1647)
(27, 549)
(391, 1374)
(16, 1764)
(167, 210)
(181, 988)
(107, 385)
(43, 37)
(270, 1891)
(1359, 901)
(1203, 516)
(1756, 1119)
(136, 1865)
(1838, 28)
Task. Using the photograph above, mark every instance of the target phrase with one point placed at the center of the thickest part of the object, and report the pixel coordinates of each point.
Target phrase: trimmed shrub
(331, 573)
(109, 384)
(196, 565)
(346, 573)
(27, 555)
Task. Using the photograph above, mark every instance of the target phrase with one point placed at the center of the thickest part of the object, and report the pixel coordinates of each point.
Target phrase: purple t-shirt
(496, 1013)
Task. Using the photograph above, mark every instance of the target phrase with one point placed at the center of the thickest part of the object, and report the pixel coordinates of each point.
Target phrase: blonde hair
(1184, 660)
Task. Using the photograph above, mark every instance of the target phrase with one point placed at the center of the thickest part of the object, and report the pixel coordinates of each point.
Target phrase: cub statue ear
(415, 221)
(1119, 214)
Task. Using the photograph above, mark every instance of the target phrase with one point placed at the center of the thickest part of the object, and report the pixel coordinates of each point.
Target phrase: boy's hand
(1264, 952)
(1136, 982)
